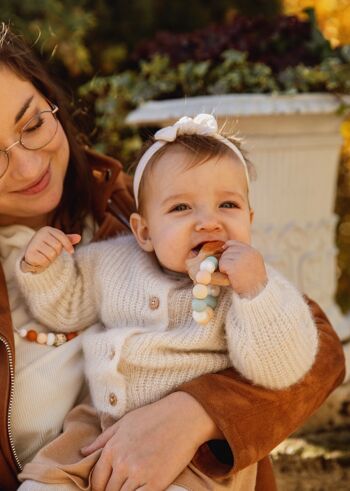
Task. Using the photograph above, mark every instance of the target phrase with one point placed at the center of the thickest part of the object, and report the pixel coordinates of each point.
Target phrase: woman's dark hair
(76, 201)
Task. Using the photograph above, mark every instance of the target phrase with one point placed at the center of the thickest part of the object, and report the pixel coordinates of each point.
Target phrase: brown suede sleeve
(254, 420)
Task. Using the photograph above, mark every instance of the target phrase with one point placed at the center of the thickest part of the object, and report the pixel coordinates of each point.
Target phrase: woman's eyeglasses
(35, 134)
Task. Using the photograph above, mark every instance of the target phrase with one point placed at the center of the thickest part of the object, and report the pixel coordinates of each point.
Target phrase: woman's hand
(149, 447)
(45, 246)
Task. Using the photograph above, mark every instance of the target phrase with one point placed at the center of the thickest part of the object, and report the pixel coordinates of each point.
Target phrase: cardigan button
(154, 303)
(112, 399)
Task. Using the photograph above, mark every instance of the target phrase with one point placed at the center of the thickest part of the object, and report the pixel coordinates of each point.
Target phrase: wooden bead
(210, 312)
(31, 336)
(60, 338)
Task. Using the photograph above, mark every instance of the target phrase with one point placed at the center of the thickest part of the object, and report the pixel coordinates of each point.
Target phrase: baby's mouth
(195, 251)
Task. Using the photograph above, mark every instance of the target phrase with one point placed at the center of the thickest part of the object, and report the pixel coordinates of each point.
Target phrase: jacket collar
(105, 171)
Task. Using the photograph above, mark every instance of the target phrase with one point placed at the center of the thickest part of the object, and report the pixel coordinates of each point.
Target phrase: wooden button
(112, 399)
(154, 303)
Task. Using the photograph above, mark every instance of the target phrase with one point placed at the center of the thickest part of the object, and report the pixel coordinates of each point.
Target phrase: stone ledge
(314, 462)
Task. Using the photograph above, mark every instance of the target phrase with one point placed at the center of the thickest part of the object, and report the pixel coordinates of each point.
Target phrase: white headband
(202, 124)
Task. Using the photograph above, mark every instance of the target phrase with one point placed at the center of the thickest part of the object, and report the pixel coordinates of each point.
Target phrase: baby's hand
(245, 268)
(45, 246)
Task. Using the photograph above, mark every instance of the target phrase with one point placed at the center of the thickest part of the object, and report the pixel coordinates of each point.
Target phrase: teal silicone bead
(198, 305)
(211, 301)
(213, 260)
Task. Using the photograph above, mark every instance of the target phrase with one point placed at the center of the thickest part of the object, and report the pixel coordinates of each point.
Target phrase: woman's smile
(38, 185)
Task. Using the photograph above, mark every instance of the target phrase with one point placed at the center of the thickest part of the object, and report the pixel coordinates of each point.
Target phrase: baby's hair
(201, 147)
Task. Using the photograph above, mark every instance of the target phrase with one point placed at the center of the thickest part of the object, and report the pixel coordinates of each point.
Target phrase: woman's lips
(39, 185)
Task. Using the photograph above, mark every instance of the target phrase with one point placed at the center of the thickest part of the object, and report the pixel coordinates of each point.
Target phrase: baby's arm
(271, 335)
(60, 290)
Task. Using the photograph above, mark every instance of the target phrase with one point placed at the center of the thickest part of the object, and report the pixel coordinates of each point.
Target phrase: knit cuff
(272, 338)
(43, 282)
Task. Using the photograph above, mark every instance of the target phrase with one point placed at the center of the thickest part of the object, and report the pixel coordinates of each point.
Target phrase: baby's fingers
(37, 259)
(74, 238)
(58, 240)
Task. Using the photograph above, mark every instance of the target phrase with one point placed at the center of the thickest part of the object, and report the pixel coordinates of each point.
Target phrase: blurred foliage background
(112, 55)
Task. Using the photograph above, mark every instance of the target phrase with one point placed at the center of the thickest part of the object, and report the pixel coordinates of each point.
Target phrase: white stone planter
(294, 142)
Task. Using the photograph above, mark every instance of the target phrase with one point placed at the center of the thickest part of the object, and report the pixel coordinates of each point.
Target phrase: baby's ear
(140, 230)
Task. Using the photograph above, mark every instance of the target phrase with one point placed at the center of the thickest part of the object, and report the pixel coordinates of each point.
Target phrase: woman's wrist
(203, 427)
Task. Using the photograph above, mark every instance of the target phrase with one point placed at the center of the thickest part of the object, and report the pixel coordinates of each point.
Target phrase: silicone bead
(200, 291)
(71, 335)
(199, 305)
(203, 277)
(23, 332)
(41, 338)
(211, 301)
(213, 260)
(207, 266)
(31, 335)
(214, 290)
(201, 317)
(50, 339)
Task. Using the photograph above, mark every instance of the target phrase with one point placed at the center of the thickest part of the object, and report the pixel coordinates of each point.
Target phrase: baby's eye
(180, 207)
(229, 204)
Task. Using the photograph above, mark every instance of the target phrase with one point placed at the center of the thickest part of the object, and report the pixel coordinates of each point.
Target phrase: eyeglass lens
(35, 134)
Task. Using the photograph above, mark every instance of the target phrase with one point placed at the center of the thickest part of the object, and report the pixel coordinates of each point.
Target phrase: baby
(191, 188)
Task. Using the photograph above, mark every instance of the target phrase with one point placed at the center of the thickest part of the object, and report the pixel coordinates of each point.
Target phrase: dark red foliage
(284, 41)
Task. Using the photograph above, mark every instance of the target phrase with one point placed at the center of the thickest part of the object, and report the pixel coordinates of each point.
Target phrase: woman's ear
(140, 230)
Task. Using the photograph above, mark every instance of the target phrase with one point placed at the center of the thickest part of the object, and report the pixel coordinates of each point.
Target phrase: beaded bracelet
(48, 338)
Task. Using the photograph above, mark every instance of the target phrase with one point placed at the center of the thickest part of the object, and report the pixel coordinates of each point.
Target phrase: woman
(219, 420)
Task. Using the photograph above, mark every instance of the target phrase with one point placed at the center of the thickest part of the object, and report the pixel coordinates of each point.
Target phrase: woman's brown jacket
(253, 420)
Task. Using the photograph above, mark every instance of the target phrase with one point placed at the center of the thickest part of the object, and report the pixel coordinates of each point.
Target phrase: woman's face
(32, 186)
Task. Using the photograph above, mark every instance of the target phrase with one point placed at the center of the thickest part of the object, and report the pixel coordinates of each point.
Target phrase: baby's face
(185, 207)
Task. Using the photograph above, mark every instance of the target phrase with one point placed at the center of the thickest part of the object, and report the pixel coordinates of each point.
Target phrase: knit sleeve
(272, 338)
(65, 296)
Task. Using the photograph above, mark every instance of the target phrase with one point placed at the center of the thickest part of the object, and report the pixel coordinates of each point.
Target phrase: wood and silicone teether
(207, 281)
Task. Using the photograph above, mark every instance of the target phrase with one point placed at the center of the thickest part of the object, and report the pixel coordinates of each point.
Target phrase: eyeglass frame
(53, 111)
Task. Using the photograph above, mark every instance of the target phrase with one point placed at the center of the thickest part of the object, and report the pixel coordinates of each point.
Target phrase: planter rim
(237, 105)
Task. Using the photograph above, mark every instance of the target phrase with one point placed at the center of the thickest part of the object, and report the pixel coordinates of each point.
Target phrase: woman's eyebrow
(23, 109)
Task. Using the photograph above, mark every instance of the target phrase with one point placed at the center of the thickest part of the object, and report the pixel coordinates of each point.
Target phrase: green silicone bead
(211, 301)
(198, 305)
(213, 260)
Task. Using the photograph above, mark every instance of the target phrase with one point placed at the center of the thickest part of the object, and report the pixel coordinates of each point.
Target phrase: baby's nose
(209, 223)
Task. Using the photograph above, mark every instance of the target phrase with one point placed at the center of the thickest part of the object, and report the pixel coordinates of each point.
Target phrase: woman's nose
(23, 162)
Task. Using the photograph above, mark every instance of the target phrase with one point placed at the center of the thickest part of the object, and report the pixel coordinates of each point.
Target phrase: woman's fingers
(100, 441)
(100, 476)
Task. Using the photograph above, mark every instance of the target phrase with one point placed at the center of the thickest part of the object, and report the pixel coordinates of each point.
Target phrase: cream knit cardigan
(149, 343)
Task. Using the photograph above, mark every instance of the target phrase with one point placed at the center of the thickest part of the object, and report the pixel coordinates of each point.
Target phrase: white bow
(202, 124)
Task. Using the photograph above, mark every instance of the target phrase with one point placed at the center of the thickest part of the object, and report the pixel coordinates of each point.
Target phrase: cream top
(48, 380)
